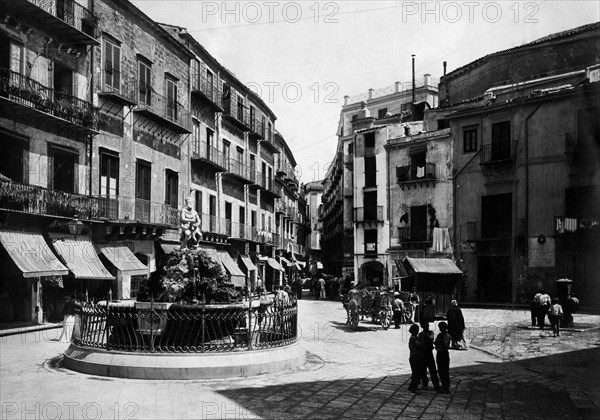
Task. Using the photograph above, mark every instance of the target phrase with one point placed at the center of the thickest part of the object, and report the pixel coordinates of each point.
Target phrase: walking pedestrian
(426, 336)
(414, 301)
(68, 320)
(535, 304)
(442, 356)
(555, 314)
(415, 359)
(322, 289)
(398, 308)
(456, 326)
(545, 303)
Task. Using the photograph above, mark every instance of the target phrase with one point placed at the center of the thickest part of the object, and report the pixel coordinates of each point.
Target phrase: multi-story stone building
(353, 201)
(526, 156)
(108, 122)
(312, 193)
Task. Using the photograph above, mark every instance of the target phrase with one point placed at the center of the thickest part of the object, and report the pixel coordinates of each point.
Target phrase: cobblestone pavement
(508, 372)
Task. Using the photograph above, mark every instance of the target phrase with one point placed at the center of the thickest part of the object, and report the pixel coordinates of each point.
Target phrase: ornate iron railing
(39, 200)
(71, 13)
(28, 92)
(186, 329)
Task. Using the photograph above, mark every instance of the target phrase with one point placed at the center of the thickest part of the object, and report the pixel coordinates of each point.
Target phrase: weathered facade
(526, 169)
(108, 122)
(343, 211)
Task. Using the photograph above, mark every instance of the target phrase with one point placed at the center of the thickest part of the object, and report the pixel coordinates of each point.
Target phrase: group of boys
(421, 345)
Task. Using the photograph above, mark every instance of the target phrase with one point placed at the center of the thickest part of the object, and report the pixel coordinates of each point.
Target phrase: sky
(303, 57)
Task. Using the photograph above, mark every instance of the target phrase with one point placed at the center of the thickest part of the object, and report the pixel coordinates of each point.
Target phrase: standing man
(426, 336)
(322, 286)
(398, 308)
(414, 301)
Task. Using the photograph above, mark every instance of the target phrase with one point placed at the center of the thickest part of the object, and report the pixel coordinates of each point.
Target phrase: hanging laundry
(420, 171)
(560, 225)
(570, 224)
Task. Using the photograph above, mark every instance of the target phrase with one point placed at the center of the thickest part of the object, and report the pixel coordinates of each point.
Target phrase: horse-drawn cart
(370, 302)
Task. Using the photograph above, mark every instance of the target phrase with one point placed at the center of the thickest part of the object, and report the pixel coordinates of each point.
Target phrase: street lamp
(75, 226)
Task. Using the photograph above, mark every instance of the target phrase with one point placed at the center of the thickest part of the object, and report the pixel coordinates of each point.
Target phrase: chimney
(445, 64)
(370, 93)
(346, 97)
(413, 78)
(397, 86)
(426, 79)
(364, 112)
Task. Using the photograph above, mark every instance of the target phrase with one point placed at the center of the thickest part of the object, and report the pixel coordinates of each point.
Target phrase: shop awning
(123, 259)
(238, 278)
(31, 254)
(401, 270)
(79, 255)
(274, 264)
(300, 265)
(248, 263)
(438, 275)
(285, 260)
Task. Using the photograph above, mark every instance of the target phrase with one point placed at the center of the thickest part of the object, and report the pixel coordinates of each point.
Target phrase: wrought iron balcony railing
(118, 88)
(29, 93)
(34, 199)
(70, 12)
(415, 233)
(497, 152)
(368, 214)
(415, 174)
(234, 112)
(201, 150)
(167, 110)
(208, 88)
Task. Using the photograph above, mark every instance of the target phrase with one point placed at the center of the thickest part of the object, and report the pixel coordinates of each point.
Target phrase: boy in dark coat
(442, 345)
(416, 358)
(426, 336)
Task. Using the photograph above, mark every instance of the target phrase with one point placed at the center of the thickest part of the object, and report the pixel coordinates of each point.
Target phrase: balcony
(207, 90)
(493, 238)
(33, 199)
(238, 170)
(412, 177)
(372, 214)
(238, 115)
(242, 231)
(266, 185)
(257, 128)
(215, 225)
(497, 158)
(415, 237)
(163, 111)
(64, 20)
(120, 91)
(210, 155)
(26, 98)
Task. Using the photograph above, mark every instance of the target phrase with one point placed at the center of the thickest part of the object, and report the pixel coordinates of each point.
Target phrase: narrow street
(360, 373)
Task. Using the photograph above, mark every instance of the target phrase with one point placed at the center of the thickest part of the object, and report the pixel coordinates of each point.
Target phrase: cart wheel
(385, 319)
(354, 319)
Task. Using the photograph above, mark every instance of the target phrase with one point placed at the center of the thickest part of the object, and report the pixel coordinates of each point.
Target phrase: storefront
(27, 262)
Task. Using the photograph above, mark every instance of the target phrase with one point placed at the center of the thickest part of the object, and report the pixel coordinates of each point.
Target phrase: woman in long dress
(68, 321)
(456, 326)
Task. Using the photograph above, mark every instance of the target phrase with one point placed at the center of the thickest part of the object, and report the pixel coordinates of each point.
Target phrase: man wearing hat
(398, 308)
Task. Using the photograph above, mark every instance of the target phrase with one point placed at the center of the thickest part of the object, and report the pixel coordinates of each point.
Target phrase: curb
(22, 330)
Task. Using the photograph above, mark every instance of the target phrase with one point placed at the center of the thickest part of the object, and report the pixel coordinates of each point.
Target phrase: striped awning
(274, 264)
(248, 263)
(79, 255)
(433, 265)
(285, 260)
(237, 276)
(122, 258)
(31, 254)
